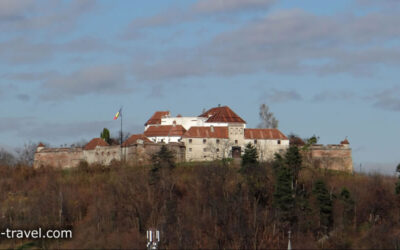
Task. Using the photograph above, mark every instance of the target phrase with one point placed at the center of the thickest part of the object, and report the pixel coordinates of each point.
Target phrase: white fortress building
(217, 133)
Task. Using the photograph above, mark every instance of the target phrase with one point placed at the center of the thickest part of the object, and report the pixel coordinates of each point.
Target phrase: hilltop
(207, 205)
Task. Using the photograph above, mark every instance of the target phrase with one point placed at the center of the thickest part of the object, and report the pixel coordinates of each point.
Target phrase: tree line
(202, 205)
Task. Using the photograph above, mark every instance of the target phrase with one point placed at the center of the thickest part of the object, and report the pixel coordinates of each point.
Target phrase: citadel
(215, 134)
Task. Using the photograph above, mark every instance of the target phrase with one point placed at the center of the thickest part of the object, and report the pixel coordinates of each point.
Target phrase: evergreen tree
(250, 156)
(397, 190)
(283, 195)
(105, 135)
(162, 160)
(348, 206)
(255, 175)
(293, 161)
(325, 205)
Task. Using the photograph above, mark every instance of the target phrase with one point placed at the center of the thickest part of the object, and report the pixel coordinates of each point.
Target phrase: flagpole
(121, 136)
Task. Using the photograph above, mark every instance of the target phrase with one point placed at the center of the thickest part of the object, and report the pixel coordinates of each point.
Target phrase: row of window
(236, 141)
(205, 141)
(205, 149)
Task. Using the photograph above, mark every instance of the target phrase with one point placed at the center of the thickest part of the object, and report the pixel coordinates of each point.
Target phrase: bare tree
(267, 118)
(26, 154)
(226, 146)
(79, 144)
(6, 158)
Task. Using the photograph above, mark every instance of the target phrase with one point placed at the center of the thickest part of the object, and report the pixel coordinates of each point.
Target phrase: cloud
(29, 76)
(13, 10)
(215, 6)
(383, 3)
(333, 95)
(15, 124)
(26, 51)
(23, 97)
(388, 99)
(26, 129)
(55, 131)
(104, 79)
(54, 16)
(289, 42)
(198, 10)
(275, 95)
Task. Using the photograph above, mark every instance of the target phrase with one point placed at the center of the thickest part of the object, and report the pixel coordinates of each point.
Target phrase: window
(255, 141)
(204, 149)
(217, 149)
(162, 140)
(236, 141)
(217, 141)
(204, 141)
(190, 149)
(190, 140)
(279, 141)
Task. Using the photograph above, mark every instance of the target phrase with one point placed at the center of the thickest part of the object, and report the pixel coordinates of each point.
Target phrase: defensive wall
(334, 157)
(139, 153)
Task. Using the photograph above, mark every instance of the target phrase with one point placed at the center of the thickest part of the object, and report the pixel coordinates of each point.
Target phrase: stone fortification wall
(141, 153)
(102, 154)
(58, 157)
(334, 157)
(136, 154)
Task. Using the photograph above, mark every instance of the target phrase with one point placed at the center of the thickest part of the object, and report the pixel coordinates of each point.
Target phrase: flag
(117, 114)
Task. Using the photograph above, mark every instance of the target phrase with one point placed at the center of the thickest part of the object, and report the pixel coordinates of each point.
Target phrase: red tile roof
(156, 118)
(165, 130)
(206, 132)
(345, 141)
(40, 145)
(264, 133)
(222, 114)
(94, 143)
(133, 139)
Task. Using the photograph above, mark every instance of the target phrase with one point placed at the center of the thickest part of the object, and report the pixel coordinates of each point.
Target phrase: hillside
(213, 205)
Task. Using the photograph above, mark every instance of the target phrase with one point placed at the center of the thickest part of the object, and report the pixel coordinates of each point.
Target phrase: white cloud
(285, 42)
(103, 79)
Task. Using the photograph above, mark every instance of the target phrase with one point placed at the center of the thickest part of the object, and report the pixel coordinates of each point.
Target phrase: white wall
(186, 122)
(165, 139)
(213, 150)
(267, 148)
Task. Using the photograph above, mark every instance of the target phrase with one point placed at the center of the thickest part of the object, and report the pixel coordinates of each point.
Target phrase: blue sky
(328, 68)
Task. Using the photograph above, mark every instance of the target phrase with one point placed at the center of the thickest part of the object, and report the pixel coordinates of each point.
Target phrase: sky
(325, 68)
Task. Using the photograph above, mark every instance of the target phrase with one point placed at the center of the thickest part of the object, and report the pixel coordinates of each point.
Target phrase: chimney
(212, 128)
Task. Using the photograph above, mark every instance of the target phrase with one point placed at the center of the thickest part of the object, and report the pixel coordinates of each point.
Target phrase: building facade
(215, 134)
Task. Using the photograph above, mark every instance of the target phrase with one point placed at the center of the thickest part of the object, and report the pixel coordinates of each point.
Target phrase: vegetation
(267, 118)
(398, 181)
(105, 135)
(208, 205)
